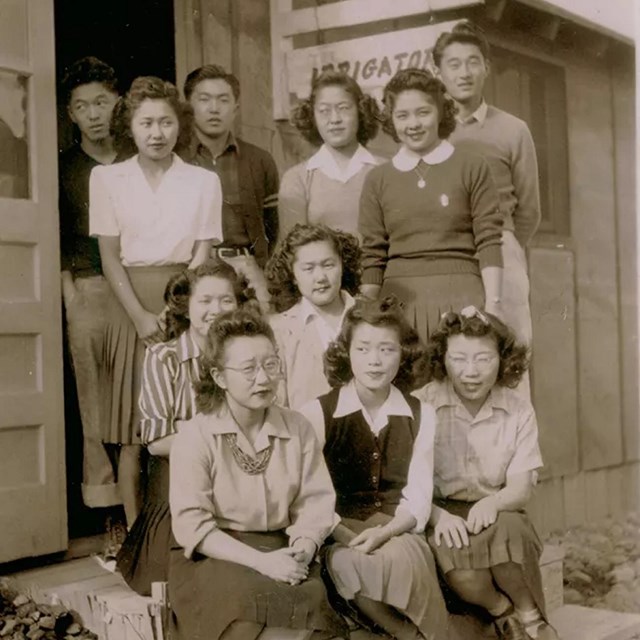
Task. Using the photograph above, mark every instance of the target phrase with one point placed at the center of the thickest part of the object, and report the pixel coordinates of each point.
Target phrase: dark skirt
(207, 595)
(426, 298)
(144, 556)
(124, 354)
(511, 538)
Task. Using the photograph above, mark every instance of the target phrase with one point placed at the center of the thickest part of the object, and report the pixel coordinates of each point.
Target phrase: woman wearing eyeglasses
(251, 499)
(486, 461)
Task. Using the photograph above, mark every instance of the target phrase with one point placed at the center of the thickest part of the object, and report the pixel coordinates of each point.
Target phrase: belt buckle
(227, 252)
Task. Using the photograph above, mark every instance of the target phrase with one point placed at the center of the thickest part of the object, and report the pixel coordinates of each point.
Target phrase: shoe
(115, 536)
(509, 627)
(546, 632)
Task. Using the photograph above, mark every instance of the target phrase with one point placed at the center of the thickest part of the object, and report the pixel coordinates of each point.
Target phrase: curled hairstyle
(514, 357)
(241, 323)
(426, 82)
(180, 287)
(211, 72)
(369, 116)
(148, 88)
(378, 313)
(85, 71)
(464, 32)
(279, 270)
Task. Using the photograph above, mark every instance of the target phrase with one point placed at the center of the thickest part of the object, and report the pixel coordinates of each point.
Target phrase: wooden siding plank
(596, 490)
(546, 508)
(615, 491)
(632, 486)
(217, 37)
(593, 230)
(623, 101)
(575, 500)
(554, 378)
(188, 37)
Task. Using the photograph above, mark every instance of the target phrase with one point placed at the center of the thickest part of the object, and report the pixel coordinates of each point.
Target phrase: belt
(233, 252)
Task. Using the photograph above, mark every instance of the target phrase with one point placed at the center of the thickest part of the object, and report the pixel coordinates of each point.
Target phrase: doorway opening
(136, 38)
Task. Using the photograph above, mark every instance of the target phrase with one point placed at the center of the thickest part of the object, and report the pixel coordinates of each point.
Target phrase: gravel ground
(602, 564)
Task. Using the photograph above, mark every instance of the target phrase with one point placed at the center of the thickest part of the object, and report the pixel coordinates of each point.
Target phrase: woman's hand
(305, 550)
(452, 529)
(148, 328)
(369, 540)
(482, 515)
(282, 566)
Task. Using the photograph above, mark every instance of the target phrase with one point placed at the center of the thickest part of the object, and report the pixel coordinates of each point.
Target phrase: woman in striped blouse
(167, 400)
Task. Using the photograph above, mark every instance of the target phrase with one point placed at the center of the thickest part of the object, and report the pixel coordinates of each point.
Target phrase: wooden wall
(584, 286)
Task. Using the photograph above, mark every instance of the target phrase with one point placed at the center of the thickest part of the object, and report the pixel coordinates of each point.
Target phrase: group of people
(323, 380)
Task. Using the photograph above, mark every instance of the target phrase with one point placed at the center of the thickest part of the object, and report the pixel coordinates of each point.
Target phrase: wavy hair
(279, 270)
(369, 116)
(240, 323)
(514, 357)
(148, 88)
(180, 287)
(378, 313)
(424, 81)
(464, 32)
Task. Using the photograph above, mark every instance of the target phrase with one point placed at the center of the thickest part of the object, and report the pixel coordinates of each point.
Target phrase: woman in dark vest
(378, 444)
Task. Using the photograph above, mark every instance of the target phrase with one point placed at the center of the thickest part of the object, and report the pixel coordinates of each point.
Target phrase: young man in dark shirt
(248, 174)
(90, 94)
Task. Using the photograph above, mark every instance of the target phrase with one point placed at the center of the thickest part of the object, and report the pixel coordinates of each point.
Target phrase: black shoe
(509, 627)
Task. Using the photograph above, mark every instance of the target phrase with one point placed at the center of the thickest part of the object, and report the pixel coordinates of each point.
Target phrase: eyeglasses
(271, 366)
(482, 363)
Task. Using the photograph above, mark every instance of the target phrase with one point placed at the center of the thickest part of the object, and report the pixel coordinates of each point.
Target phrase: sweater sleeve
(292, 200)
(485, 212)
(373, 231)
(524, 169)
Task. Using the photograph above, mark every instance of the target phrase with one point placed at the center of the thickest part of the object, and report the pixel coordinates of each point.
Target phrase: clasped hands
(289, 564)
(455, 530)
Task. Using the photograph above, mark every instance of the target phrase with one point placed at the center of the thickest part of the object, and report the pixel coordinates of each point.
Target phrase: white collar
(309, 312)
(349, 402)
(407, 160)
(324, 160)
(480, 115)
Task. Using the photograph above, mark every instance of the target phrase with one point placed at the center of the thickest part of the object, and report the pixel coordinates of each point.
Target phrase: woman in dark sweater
(429, 219)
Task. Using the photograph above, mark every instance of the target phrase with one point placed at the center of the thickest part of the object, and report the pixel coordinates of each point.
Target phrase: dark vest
(368, 472)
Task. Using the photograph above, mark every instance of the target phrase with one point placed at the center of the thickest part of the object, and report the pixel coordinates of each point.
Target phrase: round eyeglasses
(271, 366)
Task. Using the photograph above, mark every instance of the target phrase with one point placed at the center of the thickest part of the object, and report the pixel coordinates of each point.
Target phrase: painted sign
(371, 61)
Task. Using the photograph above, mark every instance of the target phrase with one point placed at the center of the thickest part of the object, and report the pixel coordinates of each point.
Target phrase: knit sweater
(506, 143)
(439, 229)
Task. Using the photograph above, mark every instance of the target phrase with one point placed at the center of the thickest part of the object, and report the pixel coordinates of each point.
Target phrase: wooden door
(33, 518)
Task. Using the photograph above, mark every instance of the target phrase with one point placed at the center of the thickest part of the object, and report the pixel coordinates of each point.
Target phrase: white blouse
(155, 227)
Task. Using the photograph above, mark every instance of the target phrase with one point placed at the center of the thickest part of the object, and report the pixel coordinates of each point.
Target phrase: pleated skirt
(144, 555)
(511, 538)
(401, 573)
(207, 595)
(124, 354)
(426, 298)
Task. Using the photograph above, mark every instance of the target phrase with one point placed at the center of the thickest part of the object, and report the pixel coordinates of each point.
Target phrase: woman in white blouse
(153, 215)
(251, 499)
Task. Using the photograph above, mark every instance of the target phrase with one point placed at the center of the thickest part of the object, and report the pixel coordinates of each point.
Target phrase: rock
(48, 622)
(9, 626)
(20, 600)
(624, 573)
(577, 576)
(573, 596)
(36, 634)
(617, 558)
(74, 629)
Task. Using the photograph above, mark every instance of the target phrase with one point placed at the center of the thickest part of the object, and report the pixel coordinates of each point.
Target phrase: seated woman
(167, 400)
(326, 188)
(486, 457)
(378, 444)
(312, 276)
(251, 499)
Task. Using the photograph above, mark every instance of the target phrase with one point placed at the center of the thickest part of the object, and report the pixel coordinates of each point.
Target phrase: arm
(373, 538)
(201, 251)
(375, 239)
(292, 200)
(66, 245)
(270, 206)
(524, 172)
(487, 231)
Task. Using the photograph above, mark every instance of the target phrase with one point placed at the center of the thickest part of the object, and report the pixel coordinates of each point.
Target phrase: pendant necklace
(422, 183)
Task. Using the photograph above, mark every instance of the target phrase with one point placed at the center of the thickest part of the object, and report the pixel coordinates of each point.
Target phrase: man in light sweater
(462, 58)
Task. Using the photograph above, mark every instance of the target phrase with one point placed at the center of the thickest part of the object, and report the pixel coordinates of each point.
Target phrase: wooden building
(565, 67)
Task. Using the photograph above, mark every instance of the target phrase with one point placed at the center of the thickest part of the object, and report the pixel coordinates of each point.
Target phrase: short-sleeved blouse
(155, 227)
(167, 394)
(209, 490)
(474, 456)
